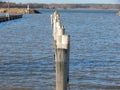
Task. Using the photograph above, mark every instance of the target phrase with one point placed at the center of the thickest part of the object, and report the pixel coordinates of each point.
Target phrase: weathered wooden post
(61, 46)
(62, 63)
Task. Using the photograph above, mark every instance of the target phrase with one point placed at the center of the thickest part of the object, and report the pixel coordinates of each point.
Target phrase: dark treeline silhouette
(63, 6)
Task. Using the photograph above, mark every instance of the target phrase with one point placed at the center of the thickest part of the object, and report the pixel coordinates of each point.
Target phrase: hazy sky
(66, 1)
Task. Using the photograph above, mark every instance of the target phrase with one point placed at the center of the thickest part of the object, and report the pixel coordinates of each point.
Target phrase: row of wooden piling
(11, 17)
(61, 44)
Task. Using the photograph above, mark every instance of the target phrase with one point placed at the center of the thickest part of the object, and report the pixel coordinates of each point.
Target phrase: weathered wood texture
(61, 50)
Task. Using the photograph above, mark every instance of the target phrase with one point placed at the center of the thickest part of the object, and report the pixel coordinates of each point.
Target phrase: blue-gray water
(26, 53)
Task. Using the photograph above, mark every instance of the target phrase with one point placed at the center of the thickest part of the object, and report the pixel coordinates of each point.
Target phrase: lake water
(26, 52)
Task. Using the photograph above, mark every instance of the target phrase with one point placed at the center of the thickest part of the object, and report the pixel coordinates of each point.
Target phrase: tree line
(63, 6)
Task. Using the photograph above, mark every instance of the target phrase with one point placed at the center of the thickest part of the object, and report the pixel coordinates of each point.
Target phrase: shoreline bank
(19, 11)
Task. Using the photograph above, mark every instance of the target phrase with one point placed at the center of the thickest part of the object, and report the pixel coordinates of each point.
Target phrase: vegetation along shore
(18, 10)
(62, 6)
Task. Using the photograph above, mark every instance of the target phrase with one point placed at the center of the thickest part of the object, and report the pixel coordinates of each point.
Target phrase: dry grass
(16, 10)
(13, 10)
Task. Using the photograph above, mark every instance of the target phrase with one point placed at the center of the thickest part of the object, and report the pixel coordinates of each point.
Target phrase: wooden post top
(63, 42)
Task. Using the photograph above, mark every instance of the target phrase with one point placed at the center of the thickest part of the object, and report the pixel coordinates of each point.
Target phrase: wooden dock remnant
(61, 43)
(11, 17)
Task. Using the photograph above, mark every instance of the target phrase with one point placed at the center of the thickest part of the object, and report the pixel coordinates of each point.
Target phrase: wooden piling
(61, 63)
(61, 50)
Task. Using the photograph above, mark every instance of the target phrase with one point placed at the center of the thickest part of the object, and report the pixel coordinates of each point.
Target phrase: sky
(67, 1)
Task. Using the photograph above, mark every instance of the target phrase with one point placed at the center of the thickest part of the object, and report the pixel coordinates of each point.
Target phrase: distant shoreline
(62, 6)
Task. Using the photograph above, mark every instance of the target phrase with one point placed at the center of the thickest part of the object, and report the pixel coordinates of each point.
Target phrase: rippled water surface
(26, 53)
